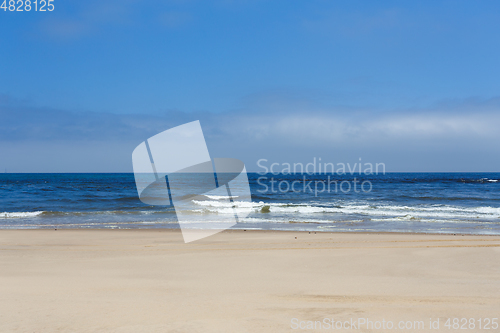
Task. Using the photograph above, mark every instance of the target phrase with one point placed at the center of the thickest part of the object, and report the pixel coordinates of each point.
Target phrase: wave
(335, 210)
(8, 215)
(17, 215)
(442, 211)
(220, 197)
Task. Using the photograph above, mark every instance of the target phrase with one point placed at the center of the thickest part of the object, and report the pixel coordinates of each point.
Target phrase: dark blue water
(401, 202)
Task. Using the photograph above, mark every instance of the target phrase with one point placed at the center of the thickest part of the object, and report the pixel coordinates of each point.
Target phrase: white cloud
(404, 140)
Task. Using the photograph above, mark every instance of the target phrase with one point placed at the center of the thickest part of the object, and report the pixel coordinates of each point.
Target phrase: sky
(413, 85)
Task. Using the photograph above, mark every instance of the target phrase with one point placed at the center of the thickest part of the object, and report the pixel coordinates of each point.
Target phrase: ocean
(447, 203)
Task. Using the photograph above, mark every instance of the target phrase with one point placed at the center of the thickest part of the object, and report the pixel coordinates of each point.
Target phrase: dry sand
(236, 281)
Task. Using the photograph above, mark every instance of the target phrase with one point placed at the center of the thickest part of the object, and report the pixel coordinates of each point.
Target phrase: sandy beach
(242, 281)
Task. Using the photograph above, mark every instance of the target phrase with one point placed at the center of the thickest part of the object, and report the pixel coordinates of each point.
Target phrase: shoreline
(260, 230)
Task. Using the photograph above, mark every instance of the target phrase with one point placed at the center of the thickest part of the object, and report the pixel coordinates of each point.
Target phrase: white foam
(488, 180)
(395, 211)
(14, 215)
(223, 204)
(423, 211)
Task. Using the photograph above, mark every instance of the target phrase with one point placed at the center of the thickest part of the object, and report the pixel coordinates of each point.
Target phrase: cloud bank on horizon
(411, 85)
(463, 138)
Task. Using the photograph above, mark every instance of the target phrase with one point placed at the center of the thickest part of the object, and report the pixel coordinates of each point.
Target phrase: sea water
(466, 203)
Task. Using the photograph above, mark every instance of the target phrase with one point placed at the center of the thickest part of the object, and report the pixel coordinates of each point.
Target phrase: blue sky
(412, 84)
